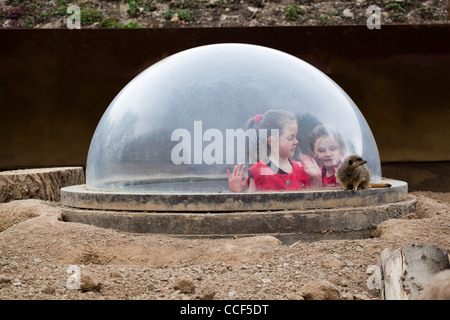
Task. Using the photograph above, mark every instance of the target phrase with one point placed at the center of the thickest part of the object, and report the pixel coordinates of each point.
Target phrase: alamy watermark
(208, 147)
(375, 280)
(73, 282)
(74, 20)
(374, 19)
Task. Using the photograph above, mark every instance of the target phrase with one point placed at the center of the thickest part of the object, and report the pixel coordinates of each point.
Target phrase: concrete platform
(290, 216)
(81, 196)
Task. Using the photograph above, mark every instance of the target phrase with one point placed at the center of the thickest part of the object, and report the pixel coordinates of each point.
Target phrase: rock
(320, 290)
(48, 290)
(16, 282)
(175, 19)
(4, 279)
(205, 294)
(184, 285)
(295, 297)
(116, 274)
(438, 288)
(361, 296)
(347, 13)
(330, 262)
(232, 294)
(89, 282)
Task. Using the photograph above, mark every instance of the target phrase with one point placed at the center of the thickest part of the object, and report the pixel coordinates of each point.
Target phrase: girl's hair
(271, 120)
(325, 131)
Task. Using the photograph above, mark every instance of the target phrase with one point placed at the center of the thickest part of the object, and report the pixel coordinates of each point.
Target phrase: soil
(40, 255)
(216, 13)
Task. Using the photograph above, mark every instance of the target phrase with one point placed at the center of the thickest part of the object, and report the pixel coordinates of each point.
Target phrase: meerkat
(353, 173)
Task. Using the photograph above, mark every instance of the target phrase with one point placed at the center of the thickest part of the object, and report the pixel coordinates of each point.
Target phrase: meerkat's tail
(379, 185)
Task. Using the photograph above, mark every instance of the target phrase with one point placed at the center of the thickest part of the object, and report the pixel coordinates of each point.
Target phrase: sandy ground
(45, 258)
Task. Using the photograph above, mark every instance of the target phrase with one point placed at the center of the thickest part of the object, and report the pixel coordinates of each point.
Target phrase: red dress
(275, 179)
(329, 181)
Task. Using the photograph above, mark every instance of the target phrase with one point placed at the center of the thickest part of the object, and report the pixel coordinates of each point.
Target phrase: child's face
(328, 151)
(287, 141)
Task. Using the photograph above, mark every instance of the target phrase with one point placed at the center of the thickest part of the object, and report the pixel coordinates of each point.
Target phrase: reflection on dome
(180, 124)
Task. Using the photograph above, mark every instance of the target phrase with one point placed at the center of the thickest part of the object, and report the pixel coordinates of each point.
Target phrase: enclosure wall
(56, 84)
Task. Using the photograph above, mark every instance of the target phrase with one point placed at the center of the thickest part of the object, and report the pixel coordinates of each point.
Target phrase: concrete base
(289, 225)
(290, 216)
(83, 197)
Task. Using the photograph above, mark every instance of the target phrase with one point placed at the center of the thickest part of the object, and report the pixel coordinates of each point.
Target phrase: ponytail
(270, 120)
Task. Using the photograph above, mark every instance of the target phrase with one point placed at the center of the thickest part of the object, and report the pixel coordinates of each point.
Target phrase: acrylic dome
(177, 126)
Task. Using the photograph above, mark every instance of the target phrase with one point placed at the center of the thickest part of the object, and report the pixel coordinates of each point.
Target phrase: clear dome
(180, 124)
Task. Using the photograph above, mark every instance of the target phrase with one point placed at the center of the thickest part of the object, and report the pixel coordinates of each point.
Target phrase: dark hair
(324, 131)
(271, 120)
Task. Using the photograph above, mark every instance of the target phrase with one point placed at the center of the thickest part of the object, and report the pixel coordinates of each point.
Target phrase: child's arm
(251, 185)
(312, 170)
(236, 182)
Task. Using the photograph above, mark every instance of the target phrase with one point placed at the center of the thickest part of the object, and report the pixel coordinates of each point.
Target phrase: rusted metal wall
(56, 84)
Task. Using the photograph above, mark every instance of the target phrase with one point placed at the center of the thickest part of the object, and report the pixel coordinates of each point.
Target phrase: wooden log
(44, 184)
(393, 268)
(407, 270)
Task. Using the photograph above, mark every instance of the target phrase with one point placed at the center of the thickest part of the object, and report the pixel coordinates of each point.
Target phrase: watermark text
(74, 20)
(374, 19)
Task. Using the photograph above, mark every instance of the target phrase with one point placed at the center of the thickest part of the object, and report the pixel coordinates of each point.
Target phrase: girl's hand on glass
(311, 167)
(237, 182)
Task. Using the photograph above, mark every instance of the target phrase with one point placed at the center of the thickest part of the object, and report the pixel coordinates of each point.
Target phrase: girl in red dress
(278, 171)
(328, 147)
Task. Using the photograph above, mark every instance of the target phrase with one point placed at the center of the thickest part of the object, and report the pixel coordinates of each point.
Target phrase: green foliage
(188, 5)
(60, 11)
(133, 9)
(25, 16)
(217, 4)
(293, 12)
(63, 2)
(109, 23)
(32, 20)
(19, 2)
(427, 13)
(15, 13)
(233, 5)
(131, 25)
(135, 5)
(90, 16)
(398, 6)
(325, 19)
(183, 14)
(150, 6)
(112, 23)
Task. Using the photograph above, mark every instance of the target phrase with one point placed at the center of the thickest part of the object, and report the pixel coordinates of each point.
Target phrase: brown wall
(56, 84)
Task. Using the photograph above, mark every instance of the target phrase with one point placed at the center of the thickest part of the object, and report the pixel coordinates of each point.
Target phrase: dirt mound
(13, 213)
(40, 254)
(215, 13)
